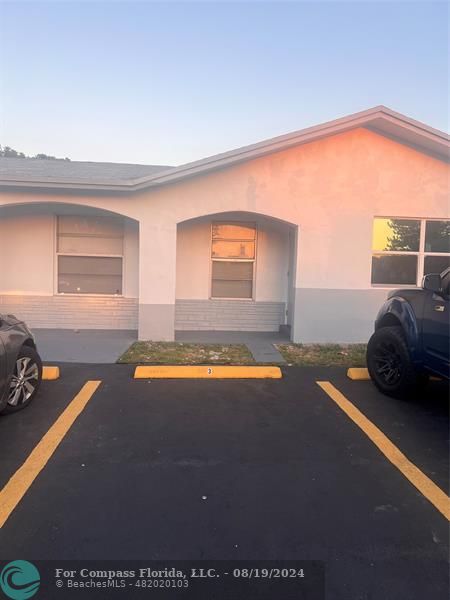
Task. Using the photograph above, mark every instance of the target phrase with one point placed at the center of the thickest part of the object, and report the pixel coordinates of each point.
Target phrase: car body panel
(435, 334)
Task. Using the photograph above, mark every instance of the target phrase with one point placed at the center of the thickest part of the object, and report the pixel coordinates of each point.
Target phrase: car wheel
(25, 380)
(389, 363)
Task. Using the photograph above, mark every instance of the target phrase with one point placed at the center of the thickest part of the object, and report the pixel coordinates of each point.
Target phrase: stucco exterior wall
(330, 189)
(27, 249)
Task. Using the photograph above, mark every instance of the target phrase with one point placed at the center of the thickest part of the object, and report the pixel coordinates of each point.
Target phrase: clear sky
(167, 83)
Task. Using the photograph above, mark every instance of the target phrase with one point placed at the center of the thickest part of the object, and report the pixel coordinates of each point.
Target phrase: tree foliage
(8, 152)
(405, 235)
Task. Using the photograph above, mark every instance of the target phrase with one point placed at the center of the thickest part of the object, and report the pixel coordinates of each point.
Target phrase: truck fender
(397, 310)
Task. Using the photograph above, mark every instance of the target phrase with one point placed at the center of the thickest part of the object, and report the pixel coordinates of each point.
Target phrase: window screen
(90, 255)
(90, 235)
(232, 279)
(89, 275)
(233, 252)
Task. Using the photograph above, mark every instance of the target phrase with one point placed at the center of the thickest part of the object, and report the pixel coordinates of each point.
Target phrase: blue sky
(167, 83)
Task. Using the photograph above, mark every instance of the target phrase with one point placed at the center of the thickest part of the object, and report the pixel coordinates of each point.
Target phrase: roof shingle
(27, 169)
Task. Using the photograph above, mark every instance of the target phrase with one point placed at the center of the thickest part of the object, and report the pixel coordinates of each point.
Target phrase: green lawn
(179, 353)
(303, 355)
(324, 355)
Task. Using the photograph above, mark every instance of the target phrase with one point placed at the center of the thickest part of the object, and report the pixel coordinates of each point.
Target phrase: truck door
(2, 363)
(436, 329)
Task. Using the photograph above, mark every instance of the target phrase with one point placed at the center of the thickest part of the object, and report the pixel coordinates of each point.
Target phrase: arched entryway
(69, 266)
(235, 272)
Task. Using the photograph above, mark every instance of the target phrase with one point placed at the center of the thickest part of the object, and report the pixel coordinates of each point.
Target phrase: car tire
(390, 365)
(25, 380)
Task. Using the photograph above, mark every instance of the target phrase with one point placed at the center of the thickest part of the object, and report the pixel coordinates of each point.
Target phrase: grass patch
(180, 353)
(324, 355)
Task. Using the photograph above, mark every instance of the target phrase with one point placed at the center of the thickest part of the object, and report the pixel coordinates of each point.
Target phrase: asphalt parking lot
(215, 470)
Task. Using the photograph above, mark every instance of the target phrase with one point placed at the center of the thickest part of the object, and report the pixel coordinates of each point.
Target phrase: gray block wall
(228, 315)
(73, 312)
(336, 316)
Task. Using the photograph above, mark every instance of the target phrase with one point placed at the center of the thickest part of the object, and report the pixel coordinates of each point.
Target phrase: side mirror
(433, 283)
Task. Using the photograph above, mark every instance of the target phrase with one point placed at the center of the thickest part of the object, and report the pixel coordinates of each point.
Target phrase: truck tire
(390, 365)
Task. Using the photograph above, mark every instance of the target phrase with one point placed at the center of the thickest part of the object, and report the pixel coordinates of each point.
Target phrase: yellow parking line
(17, 486)
(50, 373)
(206, 372)
(423, 483)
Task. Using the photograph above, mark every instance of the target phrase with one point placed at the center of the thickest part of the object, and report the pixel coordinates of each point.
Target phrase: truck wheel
(389, 363)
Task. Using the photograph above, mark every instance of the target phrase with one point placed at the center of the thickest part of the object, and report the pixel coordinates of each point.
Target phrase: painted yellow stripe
(206, 372)
(17, 486)
(358, 374)
(423, 483)
(50, 373)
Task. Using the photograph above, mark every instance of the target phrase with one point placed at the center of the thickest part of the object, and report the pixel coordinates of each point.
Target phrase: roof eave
(65, 185)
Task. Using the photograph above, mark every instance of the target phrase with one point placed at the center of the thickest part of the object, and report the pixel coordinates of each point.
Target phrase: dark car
(412, 337)
(20, 365)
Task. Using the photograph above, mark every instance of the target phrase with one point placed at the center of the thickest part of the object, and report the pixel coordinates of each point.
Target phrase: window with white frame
(89, 255)
(404, 250)
(233, 253)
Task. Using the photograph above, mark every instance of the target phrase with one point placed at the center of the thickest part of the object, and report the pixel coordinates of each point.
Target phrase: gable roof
(127, 178)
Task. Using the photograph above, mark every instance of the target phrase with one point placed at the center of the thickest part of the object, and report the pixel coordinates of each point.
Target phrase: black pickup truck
(412, 337)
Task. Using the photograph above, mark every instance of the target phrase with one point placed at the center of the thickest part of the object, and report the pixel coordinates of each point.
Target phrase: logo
(19, 580)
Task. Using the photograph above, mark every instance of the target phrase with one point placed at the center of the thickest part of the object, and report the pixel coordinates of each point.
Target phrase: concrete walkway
(260, 343)
(83, 345)
(106, 345)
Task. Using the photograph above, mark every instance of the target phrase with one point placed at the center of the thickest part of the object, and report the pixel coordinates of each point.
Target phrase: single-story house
(306, 232)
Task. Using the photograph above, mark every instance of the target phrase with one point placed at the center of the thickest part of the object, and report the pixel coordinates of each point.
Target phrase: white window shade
(86, 235)
(90, 251)
(233, 253)
(89, 245)
(100, 226)
(232, 279)
(89, 275)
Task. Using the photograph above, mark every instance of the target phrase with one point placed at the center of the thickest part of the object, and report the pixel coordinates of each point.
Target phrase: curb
(50, 373)
(207, 372)
(358, 374)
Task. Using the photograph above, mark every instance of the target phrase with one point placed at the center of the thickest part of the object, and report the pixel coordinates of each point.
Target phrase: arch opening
(235, 271)
(69, 266)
